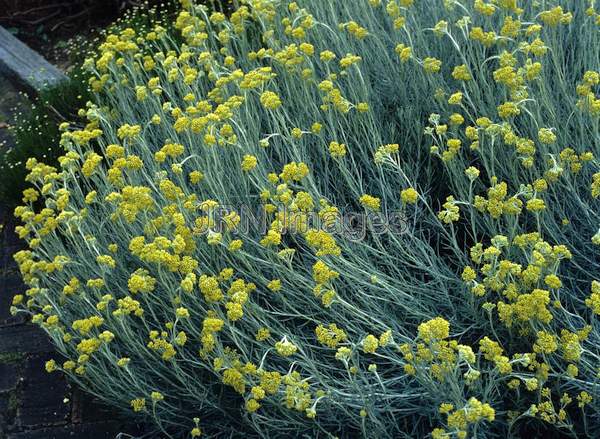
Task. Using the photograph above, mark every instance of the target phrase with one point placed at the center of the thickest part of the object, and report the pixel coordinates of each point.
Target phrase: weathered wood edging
(24, 65)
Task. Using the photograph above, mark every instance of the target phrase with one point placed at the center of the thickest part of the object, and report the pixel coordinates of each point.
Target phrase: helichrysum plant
(475, 122)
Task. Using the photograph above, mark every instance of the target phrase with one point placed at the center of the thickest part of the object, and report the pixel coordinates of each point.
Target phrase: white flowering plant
(474, 122)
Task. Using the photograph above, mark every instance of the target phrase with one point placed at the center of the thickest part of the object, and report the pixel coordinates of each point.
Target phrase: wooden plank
(25, 65)
(27, 338)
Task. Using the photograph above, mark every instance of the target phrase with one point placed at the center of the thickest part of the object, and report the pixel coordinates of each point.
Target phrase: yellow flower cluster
(370, 202)
(270, 100)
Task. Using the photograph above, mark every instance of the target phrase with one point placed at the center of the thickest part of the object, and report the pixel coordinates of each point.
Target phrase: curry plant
(332, 218)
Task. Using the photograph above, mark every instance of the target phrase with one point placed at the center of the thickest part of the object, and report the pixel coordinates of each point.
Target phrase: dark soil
(52, 26)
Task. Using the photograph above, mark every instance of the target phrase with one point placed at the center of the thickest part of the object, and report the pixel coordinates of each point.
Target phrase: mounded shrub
(332, 218)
